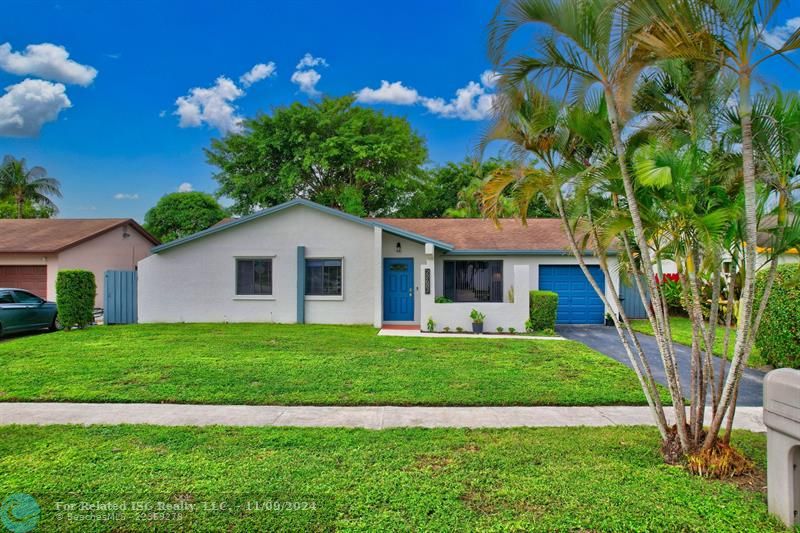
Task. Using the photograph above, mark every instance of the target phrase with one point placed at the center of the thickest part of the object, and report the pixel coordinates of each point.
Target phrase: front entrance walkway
(605, 340)
(369, 417)
(415, 332)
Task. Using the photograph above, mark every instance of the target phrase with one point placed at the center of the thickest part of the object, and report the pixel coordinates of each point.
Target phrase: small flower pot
(477, 327)
(609, 321)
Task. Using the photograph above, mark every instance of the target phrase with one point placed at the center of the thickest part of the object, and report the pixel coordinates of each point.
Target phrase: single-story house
(32, 251)
(302, 262)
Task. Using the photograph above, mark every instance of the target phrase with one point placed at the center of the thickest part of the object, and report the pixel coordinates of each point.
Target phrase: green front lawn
(682, 333)
(230, 479)
(305, 364)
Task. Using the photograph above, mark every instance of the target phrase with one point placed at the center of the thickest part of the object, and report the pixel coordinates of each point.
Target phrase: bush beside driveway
(263, 364)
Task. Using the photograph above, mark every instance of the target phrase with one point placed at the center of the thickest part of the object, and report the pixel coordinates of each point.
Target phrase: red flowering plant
(671, 289)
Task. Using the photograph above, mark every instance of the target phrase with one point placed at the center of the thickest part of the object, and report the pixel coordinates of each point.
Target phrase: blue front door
(398, 289)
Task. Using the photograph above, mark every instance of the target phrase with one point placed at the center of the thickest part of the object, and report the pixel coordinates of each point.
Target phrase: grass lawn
(306, 364)
(553, 479)
(682, 334)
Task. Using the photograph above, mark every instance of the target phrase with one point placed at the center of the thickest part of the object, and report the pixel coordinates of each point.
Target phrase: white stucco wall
(195, 282)
(408, 249)
(531, 261)
(503, 314)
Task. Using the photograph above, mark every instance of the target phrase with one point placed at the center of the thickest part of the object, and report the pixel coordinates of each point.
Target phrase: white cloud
(185, 187)
(28, 105)
(306, 77)
(388, 93)
(126, 196)
(472, 102)
(211, 106)
(778, 35)
(47, 61)
(307, 81)
(309, 61)
(258, 73)
(489, 78)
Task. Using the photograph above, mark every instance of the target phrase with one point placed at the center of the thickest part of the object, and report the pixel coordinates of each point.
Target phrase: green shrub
(543, 307)
(442, 300)
(431, 324)
(75, 291)
(778, 336)
(477, 317)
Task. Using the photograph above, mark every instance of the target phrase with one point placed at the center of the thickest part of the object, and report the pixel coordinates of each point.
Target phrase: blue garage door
(577, 301)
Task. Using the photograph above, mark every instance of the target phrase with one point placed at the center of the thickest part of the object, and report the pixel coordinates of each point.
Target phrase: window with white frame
(324, 277)
(253, 277)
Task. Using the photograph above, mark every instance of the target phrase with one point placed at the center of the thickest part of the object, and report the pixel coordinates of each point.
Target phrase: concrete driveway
(605, 340)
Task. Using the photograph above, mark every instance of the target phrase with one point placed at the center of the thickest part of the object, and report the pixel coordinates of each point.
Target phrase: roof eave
(306, 203)
(467, 251)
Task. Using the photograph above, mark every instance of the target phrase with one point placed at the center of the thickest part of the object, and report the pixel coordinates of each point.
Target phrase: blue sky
(119, 146)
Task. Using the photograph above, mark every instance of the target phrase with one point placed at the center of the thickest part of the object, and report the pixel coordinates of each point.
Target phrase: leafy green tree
(9, 209)
(454, 191)
(180, 214)
(30, 190)
(332, 152)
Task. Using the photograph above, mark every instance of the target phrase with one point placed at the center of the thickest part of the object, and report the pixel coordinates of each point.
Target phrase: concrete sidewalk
(377, 417)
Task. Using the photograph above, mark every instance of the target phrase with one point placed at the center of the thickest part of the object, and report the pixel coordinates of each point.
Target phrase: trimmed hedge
(778, 336)
(75, 291)
(542, 311)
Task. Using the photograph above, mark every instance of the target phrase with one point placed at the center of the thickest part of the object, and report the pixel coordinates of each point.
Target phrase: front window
(254, 277)
(323, 277)
(473, 281)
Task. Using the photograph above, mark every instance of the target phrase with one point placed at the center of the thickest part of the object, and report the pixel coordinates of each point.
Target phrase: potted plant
(609, 320)
(477, 321)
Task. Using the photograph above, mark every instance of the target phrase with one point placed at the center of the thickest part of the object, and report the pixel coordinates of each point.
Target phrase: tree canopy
(332, 152)
(454, 190)
(180, 214)
(29, 191)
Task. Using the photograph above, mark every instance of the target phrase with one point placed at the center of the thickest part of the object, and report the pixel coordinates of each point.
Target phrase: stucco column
(377, 276)
(301, 284)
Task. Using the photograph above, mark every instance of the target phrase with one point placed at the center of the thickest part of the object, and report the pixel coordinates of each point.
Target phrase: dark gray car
(21, 310)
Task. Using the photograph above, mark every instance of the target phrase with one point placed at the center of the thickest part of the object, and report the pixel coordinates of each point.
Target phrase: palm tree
(23, 185)
(564, 144)
(729, 34)
(607, 44)
(584, 50)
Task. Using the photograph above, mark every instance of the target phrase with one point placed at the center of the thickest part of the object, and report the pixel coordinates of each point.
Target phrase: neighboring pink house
(32, 251)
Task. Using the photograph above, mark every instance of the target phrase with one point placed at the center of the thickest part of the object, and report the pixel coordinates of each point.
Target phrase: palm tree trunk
(641, 241)
(751, 234)
(728, 322)
(658, 414)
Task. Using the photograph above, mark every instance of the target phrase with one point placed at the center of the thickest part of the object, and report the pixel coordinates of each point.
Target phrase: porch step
(410, 327)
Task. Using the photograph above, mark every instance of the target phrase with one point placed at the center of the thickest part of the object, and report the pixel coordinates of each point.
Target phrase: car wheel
(56, 325)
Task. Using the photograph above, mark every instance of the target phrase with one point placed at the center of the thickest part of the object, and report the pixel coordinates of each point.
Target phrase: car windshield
(26, 297)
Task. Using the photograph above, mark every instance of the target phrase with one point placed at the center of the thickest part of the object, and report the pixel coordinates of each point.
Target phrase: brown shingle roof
(482, 234)
(56, 234)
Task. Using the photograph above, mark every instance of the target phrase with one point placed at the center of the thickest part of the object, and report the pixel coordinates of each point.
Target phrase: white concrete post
(782, 418)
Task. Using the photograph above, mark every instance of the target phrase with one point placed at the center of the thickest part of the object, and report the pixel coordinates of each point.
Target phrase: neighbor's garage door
(577, 301)
(32, 278)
